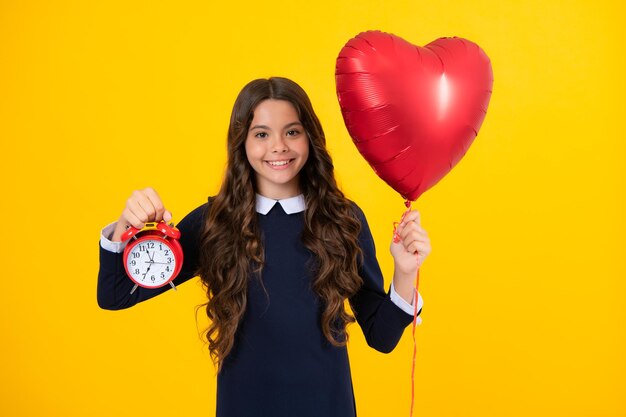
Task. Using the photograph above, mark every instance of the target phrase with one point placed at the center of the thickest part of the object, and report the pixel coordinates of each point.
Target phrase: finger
(415, 249)
(137, 206)
(146, 200)
(132, 219)
(148, 209)
(157, 203)
(411, 216)
(419, 246)
(411, 229)
(420, 235)
(167, 216)
(410, 224)
(422, 249)
(411, 247)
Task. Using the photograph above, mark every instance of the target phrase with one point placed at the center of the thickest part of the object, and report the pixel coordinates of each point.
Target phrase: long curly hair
(231, 250)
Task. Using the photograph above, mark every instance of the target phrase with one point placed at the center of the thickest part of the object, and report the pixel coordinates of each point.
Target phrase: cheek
(251, 151)
(304, 151)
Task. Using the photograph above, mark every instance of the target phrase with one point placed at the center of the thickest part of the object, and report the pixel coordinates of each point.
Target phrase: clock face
(151, 263)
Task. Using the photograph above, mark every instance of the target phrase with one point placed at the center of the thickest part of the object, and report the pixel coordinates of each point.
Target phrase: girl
(279, 249)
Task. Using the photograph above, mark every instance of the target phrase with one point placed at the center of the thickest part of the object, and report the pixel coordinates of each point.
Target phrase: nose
(279, 145)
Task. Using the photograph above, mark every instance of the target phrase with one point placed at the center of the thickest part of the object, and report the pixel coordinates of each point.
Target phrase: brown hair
(231, 251)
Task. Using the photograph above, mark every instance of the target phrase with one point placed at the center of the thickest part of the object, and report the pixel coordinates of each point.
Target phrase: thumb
(167, 216)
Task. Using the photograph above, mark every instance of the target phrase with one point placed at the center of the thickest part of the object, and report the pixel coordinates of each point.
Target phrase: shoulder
(364, 233)
(357, 211)
(196, 216)
(363, 229)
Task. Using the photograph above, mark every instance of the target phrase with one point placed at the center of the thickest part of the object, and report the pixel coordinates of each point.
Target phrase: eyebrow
(268, 128)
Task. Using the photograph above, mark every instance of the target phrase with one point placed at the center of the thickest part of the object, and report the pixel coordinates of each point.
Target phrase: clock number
(137, 271)
(162, 274)
(142, 248)
(167, 252)
(169, 260)
(152, 278)
(150, 245)
(133, 262)
(136, 254)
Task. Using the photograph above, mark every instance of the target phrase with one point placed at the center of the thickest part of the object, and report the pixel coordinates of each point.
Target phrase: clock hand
(147, 270)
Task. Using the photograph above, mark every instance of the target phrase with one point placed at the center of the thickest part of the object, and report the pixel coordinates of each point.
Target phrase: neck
(279, 196)
(281, 193)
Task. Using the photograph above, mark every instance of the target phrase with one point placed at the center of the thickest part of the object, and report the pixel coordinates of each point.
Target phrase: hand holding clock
(150, 241)
(141, 207)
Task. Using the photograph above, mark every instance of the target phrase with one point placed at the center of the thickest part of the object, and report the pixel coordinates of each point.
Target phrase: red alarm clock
(154, 257)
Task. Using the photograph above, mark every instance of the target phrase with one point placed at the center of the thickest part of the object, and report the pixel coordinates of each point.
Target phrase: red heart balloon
(412, 112)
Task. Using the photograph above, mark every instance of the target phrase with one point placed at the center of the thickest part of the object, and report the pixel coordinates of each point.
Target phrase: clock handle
(132, 231)
(168, 230)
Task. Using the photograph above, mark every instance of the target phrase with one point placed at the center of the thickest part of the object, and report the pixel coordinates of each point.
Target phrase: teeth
(278, 163)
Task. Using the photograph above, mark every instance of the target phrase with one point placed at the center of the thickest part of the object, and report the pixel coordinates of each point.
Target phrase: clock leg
(134, 288)
(173, 286)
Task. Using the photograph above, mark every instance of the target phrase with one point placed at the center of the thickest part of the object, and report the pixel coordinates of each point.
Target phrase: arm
(381, 320)
(114, 285)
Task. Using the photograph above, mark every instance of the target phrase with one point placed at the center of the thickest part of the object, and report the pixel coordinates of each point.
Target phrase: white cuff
(406, 307)
(115, 247)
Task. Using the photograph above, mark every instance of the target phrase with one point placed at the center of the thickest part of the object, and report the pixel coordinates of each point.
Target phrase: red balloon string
(396, 239)
(417, 281)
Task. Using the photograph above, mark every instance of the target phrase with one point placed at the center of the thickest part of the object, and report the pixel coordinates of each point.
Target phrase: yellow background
(524, 311)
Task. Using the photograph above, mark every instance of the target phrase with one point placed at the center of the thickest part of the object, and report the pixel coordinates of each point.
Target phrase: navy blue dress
(281, 364)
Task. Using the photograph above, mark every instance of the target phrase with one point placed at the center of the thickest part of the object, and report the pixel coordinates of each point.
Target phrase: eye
(261, 135)
(293, 132)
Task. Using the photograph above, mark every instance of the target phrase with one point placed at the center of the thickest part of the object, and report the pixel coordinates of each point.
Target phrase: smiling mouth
(280, 164)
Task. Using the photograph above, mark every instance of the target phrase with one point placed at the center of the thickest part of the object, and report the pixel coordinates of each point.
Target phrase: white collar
(290, 205)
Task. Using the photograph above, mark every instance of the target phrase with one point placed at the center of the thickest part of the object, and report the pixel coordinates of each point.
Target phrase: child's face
(277, 147)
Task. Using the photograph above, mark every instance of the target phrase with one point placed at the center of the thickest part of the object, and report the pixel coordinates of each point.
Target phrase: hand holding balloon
(410, 246)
